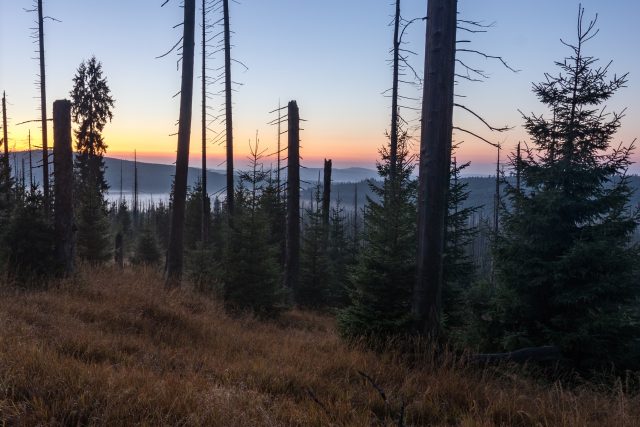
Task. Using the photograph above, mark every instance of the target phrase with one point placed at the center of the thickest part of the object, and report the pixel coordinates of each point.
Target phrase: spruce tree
(459, 271)
(146, 250)
(340, 257)
(193, 217)
(91, 109)
(252, 277)
(566, 268)
(314, 264)
(29, 241)
(382, 279)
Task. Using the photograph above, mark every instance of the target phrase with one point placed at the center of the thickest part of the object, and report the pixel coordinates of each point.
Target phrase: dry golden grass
(117, 349)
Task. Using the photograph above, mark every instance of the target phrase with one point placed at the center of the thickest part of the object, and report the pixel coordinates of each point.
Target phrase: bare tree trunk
(518, 163)
(5, 138)
(43, 111)
(5, 134)
(63, 178)
(30, 162)
(135, 190)
(435, 161)
(496, 197)
(496, 217)
(326, 194)
(393, 148)
(292, 255)
(205, 204)
(279, 152)
(355, 218)
(229, 109)
(173, 270)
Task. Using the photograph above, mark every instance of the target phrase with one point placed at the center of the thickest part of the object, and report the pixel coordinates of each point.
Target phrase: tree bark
(5, 137)
(173, 270)
(228, 108)
(393, 148)
(43, 111)
(205, 204)
(435, 162)
(64, 223)
(292, 255)
(326, 194)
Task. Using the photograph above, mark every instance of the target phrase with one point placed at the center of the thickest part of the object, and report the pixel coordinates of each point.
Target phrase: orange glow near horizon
(154, 146)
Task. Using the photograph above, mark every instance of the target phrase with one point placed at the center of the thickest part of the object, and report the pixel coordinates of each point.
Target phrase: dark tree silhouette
(43, 110)
(203, 179)
(393, 146)
(326, 194)
(228, 108)
(566, 268)
(292, 255)
(380, 282)
(435, 160)
(91, 109)
(63, 179)
(252, 277)
(6, 172)
(173, 270)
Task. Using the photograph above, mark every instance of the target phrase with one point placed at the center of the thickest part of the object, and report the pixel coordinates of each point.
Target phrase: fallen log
(547, 353)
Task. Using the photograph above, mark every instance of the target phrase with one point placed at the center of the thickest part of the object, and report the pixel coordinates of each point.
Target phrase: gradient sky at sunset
(331, 56)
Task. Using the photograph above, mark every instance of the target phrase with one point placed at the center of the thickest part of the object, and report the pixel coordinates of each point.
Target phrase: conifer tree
(193, 216)
(566, 268)
(252, 277)
(382, 279)
(340, 257)
(123, 218)
(91, 109)
(29, 241)
(274, 208)
(314, 264)
(146, 251)
(458, 268)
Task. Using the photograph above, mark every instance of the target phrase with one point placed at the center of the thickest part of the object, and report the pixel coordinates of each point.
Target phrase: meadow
(114, 347)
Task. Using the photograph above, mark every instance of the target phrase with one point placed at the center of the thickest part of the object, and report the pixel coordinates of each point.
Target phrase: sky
(331, 56)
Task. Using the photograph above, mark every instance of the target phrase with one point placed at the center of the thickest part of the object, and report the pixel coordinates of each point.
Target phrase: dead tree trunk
(279, 156)
(393, 148)
(496, 198)
(5, 133)
(63, 179)
(518, 163)
(43, 112)
(356, 232)
(5, 137)
(435, 161)
(173, 270)
(135, 190)
(30, 163)
(228, 107)
(548, 353)
(292, 255)
(203, 179)
(326, 194)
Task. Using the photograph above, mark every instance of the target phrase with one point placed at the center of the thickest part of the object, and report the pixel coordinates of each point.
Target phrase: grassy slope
(117, 349)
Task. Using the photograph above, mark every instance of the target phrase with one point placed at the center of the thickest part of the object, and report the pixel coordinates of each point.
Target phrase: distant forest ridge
(156, 179)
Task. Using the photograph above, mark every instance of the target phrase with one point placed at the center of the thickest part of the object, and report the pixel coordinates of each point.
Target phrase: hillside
(114, 348)
(156, 179)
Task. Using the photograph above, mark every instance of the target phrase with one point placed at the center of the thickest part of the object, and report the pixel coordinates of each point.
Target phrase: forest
(421, 296)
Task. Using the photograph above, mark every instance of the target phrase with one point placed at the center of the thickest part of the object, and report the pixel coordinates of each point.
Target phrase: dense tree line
(563, 264)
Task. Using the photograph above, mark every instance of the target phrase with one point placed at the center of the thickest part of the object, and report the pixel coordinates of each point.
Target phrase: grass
(115, 348)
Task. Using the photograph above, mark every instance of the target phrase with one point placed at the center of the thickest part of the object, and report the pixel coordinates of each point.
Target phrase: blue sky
(331, 56)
